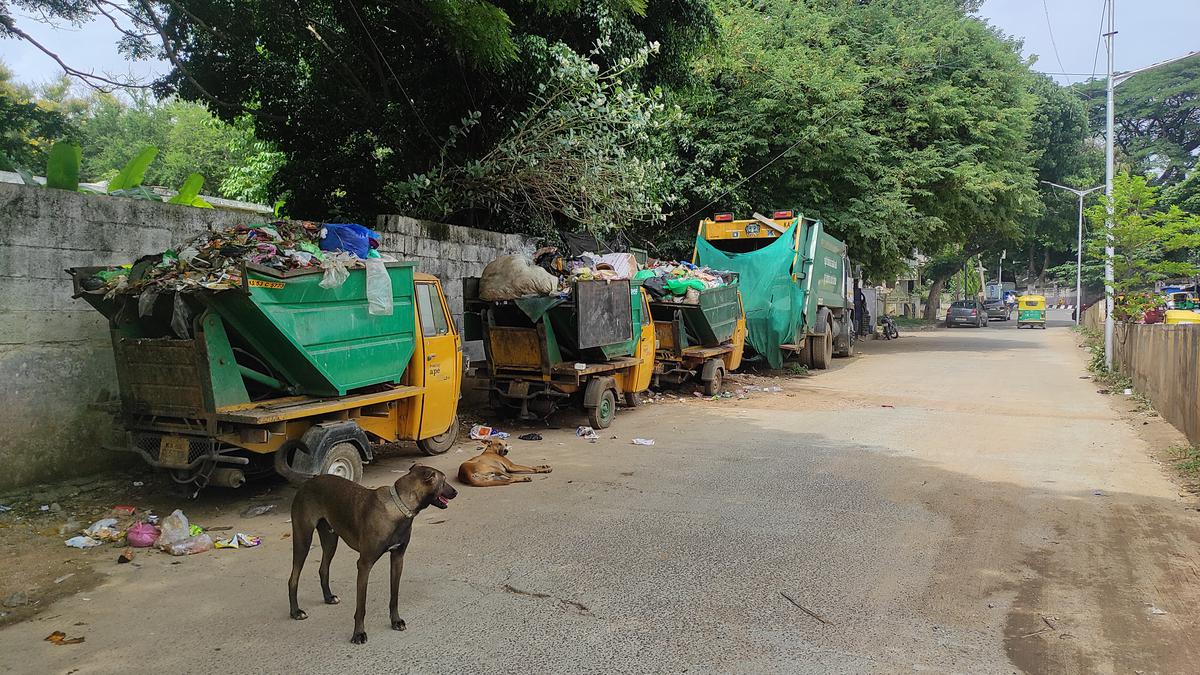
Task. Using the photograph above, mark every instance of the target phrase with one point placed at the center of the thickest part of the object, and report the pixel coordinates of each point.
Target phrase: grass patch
(796, 369)
(1187, 460)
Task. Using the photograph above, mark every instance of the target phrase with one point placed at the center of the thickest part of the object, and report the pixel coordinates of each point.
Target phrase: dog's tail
(284, 468)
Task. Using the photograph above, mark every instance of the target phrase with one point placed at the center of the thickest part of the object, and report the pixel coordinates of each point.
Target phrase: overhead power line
(1053, 44)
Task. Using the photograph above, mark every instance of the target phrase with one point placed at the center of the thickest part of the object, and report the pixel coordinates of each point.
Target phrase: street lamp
(1113, 81)
(1079, 248)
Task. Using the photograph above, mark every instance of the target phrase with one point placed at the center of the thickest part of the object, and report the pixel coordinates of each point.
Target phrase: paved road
(954, 501)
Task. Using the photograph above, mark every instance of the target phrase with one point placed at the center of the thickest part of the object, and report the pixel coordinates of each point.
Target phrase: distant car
(966, 313)
(998, 309)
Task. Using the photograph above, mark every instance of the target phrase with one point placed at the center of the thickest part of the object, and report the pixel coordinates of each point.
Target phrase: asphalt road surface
(953, 501)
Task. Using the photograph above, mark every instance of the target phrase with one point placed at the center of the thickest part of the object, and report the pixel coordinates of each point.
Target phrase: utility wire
(1099, 38)
(382, 57)
(816, 127)
(1053, 44)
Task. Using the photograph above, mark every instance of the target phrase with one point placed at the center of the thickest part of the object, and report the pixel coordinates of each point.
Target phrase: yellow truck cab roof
(712, 230)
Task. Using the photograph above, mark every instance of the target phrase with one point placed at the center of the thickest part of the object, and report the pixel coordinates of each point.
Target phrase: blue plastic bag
(348, 237)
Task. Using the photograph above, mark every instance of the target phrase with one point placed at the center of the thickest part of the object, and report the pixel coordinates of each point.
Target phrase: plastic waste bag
(379, 288)
(146, 302)
(83, 542)
(174, 528)
(181, 318)
(350, 237)
(337, 269)
(509, 277)
(189, 545)
(142, 535)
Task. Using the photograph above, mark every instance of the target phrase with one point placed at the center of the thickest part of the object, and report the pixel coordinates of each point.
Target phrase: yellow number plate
(173, 451)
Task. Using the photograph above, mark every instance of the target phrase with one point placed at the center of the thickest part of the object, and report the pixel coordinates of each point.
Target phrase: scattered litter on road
(238, 540)
(643, 441)
(259, 510)
(105, 529)
(44, 507)
(126, 556)
(195, 530)
(124, 510)
(804, 609)
(59, 638)
(1099, 493)
(138, 483)
(484, 433)
(586, 432)
(16, 599)
(83, 542)
(64, 578)
(1156, 611)
(530, 437)
(4, 508)
(1128, 392)
(1102, 391)
(887, 405)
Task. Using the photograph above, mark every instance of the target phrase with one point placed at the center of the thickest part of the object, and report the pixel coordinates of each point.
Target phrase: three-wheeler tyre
(713, 375)
(437, 445)
(601, 415)
(343, 460)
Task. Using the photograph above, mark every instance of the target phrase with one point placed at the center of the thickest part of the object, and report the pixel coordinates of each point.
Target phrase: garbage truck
(592, 347)
(279, 374)
(795, 280)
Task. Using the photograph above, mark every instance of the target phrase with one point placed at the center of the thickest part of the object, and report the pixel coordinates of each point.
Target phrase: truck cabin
(731, 235)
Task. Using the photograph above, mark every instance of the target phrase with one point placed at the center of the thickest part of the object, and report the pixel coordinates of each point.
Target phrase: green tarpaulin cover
(774, 304)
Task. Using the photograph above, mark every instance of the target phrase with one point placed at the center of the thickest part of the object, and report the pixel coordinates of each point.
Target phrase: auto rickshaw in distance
(1031, 311)
(594, 346)
(702, 340)
(280, 375)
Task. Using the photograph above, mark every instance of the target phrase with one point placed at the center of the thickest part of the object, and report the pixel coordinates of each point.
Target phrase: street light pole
(1109, 323)
(1078, 248)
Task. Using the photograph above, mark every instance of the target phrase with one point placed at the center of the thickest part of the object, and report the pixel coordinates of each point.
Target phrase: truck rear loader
(795, 282)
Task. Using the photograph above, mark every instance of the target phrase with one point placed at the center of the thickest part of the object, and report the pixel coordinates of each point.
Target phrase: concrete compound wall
(55, 353)
(56, 361)
(1164, 364)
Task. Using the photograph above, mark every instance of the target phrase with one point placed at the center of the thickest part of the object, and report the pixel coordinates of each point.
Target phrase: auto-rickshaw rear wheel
(601, 416)
(439, 444)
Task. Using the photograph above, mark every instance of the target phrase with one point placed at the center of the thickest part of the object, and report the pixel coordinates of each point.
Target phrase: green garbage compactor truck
(280, 375)
(796, 284)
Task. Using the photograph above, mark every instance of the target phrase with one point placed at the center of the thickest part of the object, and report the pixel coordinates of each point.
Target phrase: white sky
(1149, 31)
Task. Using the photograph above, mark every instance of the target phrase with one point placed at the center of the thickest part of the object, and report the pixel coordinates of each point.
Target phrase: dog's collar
(408, 513)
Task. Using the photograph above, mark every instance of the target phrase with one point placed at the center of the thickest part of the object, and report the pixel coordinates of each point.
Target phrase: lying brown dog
(372, 522)
(492, 467)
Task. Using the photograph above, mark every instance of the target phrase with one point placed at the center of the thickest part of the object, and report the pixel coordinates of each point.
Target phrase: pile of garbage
(214, 260)
(174, 535)
(681, 281)
(551, 274)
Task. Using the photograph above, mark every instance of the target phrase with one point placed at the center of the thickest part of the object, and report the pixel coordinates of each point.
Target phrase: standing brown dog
(492, 467)
(371, 522)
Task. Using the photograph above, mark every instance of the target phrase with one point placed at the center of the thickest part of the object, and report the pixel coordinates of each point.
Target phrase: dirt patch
(38, 519)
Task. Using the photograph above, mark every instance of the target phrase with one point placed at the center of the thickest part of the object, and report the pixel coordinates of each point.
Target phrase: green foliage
(582, 152)
(62, 166)
(359, 95)
(1187, 460)
(1145, 238)
(1157, 118)
(904, 125)
(189, 193)
(134, 171)
(27, 130)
